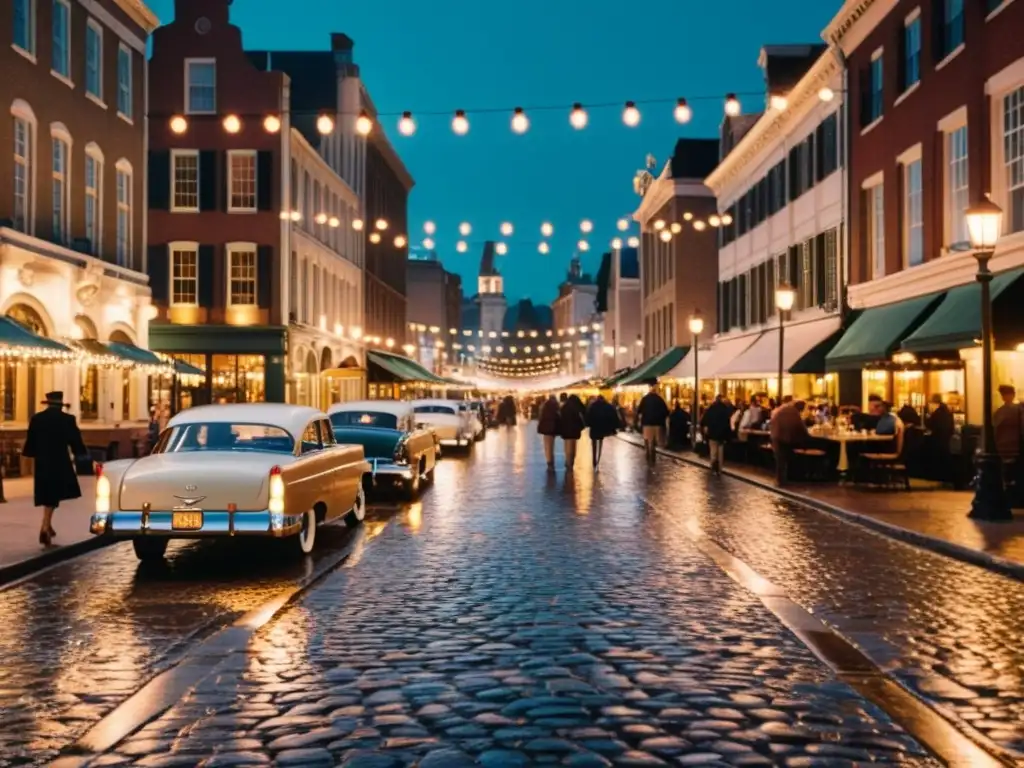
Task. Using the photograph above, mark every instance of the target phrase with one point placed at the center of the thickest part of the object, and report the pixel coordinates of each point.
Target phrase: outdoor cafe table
(839, 436)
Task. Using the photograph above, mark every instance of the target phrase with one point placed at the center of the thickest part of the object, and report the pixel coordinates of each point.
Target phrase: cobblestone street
(512, 618)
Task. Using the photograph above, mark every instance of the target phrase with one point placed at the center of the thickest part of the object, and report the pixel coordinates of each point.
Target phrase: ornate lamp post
(785, 296)
(985, 224)
(696, 328)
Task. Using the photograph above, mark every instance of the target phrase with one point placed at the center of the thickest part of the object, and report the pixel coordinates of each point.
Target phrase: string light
(428, 243)
(465, 229)
(547, 229)
(578, 118)
(461, 246)
(682, 112)
(358, 224)
(583, 246)
(732, 105)
(714, 220)
(778, 102)
(364, 123)
(676, 227)
(633, 242)
(429, 227)
(232, 124)
(631, 115)
(659, 225)
(400, 241)
(320, 218)
(381, 224)
(520, 122)
(700, 226)
(506, 229)
(501, 249)
(325, 125)
(687, 216)
(271, 123)
(617, 243)
(544, 248)
(623, 224)
(826, 94)
(665, 235)
(375, 237)
(586, 226)
(334, 222)
(296, 216)
(460, 124)
(407, 126)
(726, 219)
(178, 124)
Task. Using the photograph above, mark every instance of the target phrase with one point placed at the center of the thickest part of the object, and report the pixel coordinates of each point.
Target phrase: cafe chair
(887, 469)
(811, 463)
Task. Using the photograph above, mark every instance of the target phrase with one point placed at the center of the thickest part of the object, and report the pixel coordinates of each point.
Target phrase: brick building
(434, 312)
(73, 207)
(938, 124)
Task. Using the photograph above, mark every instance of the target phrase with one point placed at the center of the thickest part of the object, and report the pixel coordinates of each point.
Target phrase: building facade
(73, 209)
(434, 310)
(573, 310)
(620, 304)
(780, 190)
(939, 125)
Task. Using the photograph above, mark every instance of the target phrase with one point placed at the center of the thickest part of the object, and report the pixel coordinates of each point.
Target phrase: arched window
(94, 197)
(24, 178)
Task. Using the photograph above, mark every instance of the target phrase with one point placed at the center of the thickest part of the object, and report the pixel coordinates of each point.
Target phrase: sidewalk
(936, 519)
(20, 551)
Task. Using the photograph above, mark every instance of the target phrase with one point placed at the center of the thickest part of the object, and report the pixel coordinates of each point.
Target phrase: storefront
(632, 386)
(393, 377)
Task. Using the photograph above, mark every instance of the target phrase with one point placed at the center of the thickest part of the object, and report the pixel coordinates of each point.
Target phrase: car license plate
(187, 520)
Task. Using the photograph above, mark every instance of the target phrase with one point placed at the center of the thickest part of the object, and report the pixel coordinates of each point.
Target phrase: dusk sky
(445, 55)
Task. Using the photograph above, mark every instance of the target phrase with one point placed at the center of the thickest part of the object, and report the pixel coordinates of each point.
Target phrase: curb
(14, 571)
(994, 563)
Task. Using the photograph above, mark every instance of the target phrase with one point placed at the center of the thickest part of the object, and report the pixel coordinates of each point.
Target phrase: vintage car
(452, 424)
(399, 449)
(247, 470)
(474, 415)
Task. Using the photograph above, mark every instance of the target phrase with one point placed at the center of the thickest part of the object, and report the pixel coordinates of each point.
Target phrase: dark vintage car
(400, 452)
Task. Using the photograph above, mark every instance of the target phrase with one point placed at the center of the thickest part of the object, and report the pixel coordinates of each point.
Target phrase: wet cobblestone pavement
(514, 619)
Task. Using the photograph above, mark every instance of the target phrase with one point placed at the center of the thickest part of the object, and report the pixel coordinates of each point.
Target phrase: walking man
(603, 420)
(548, 427)
(53, 436)
(572, 422)
(717, 425)
(652, 413)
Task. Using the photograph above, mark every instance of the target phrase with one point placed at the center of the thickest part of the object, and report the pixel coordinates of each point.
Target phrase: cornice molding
(140, 13)
(854, 22)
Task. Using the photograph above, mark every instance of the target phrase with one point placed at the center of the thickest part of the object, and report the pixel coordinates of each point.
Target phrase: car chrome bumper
(383, 469)
(216, 523)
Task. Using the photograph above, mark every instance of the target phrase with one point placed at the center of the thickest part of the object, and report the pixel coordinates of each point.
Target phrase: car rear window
(434, 409)
(224, 436)
(364, 419)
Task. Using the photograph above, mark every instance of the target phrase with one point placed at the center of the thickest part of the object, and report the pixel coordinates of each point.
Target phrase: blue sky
(443, 55)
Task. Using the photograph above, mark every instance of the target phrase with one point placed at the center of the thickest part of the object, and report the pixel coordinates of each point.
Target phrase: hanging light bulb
(631, 115)
(400, 241)
(778, 102)
(364, 123)
(586, 226)
(726, 219)
(714, 220)
(296, 216)
(623, 225)
(271, 123)
(428, 243)
(320, 218)
(357, 225)
(325, 124)
(700, 226)
(547, 229)
(732, 105)
(232, 124)
(826, 94)
(334, 222)
(381, 224)
(501, 249)
(375, 237)
(459, 123)
(544, 247)
(659, 225)
(665, 235)
(682, 112)
(676, 227)
(461, 246)
(520, 122)
(687, 216)
(578, 118)
(465, 229)
(178, 125)
(407, 126)
(616, 243)
(506, 229)
(583, 245)
(633, 242)
(429, 227)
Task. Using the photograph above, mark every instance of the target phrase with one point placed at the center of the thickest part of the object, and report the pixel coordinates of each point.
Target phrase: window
(124, 216)
(952, 27)
(124, 81)
(956, 148)
(242, 279)
(184, 275)
(311, 438)
(1013, 156)
(93, 183)
(201, 85)
(61, 38)
(913, 213)
(25, 25)
(876, 229)
(184, 180)
(912, 52)
(22, 174)
(94, 59)
(60, 190)
(875, 91)
(242, 180)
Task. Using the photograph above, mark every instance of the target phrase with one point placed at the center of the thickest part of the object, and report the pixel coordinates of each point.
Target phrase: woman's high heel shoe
(45, 539)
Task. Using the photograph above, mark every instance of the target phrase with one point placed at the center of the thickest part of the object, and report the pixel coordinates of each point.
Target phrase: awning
(181, 368)
(654, 367)
(761, 359)
(684, 370)
(136, 355)
(956, 322)
(615, 378)
(877, 333)
(404, 368)
(97, 353)
(724, 353)
(18, 341)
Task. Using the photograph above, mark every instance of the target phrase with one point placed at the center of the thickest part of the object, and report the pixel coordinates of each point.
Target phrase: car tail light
(276, 504)
(102, 491)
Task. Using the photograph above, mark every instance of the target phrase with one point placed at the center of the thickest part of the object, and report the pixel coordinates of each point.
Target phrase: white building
(782, 184)
(573, 310)
(622, 325)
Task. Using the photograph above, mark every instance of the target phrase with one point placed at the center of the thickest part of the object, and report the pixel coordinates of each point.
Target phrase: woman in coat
(573, 422)
(603, 421)
(549, 427)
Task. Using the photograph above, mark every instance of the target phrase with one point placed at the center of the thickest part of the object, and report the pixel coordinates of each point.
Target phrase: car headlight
(102, 494)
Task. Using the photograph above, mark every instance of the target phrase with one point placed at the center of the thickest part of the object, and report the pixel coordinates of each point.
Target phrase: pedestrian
(572, 422)
(652, 413)
(548, 426)
(1007, 424)
(942, 426)
(717, 426)
(152, 429)
(603, 421)
(678, 428)
(788, 432)
(51, 435)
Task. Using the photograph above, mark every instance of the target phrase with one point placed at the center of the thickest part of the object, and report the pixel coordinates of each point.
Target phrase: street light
(984, 225)
(784, 298)
(696, 328)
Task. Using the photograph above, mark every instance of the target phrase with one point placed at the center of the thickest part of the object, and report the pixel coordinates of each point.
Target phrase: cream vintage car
(256, 470)
(451, 422)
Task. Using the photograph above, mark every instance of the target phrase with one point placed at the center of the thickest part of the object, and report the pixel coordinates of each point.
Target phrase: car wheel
(307, 536)
(150, 549)
(358, 511)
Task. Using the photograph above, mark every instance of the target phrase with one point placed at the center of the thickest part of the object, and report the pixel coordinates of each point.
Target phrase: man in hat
(53, 436)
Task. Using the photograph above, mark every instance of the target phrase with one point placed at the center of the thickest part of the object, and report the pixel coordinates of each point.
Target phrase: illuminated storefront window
(237, 379)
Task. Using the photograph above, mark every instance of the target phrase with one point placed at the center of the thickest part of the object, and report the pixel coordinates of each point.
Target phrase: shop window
(237, 378)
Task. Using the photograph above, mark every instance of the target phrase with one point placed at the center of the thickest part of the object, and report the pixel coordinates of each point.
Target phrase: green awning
(655, 367)
(813, 361)
(405, 369)
(135, 355)
(615, 378)
(18, 341)
(98, 353)
(181, 368)
(956, 322)
(878, 331)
